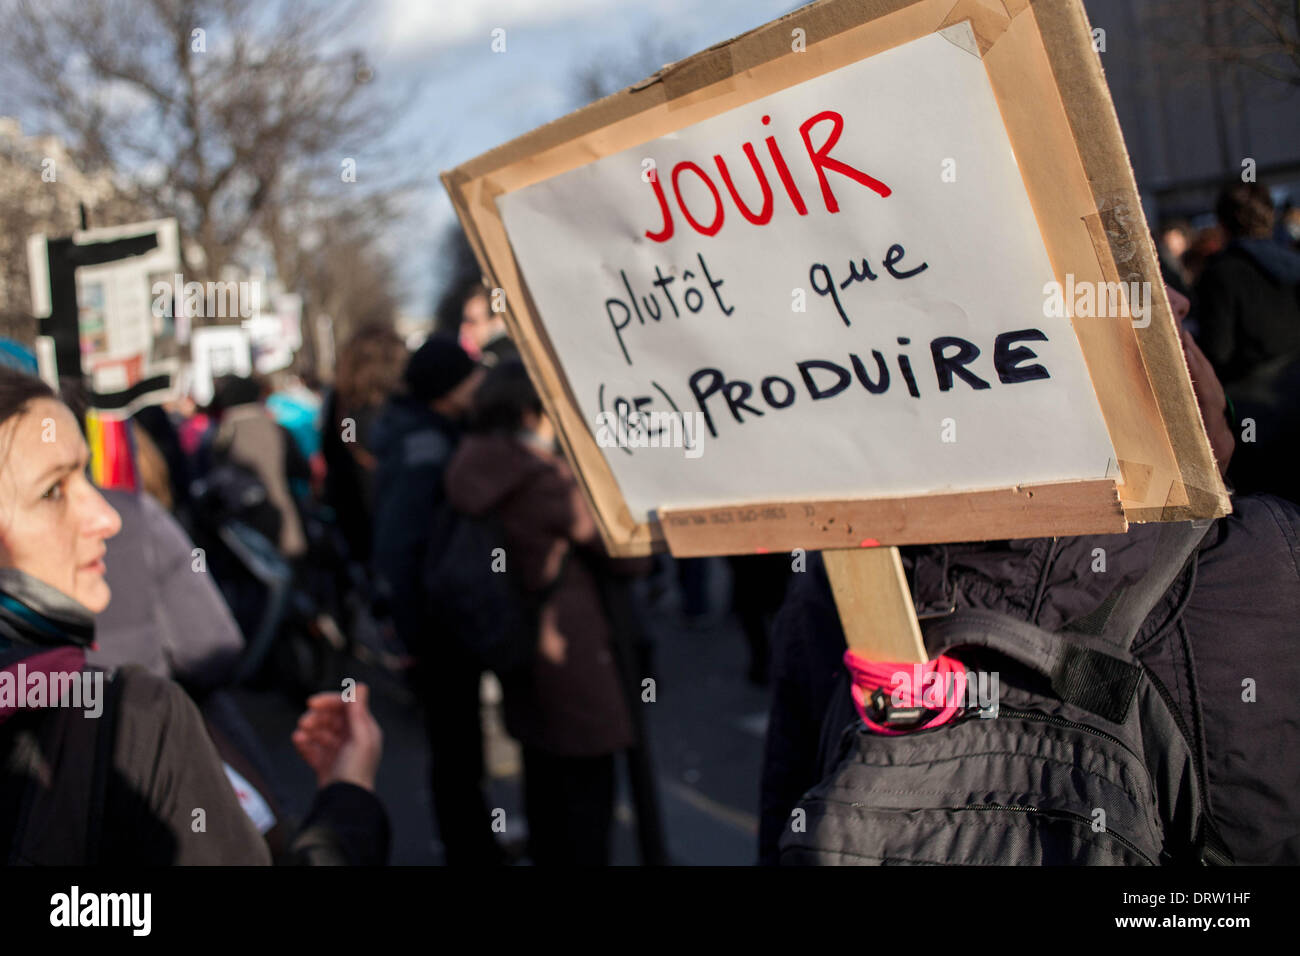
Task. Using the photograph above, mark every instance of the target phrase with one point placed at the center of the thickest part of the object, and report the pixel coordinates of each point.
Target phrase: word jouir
(819, 156)
(691, 298)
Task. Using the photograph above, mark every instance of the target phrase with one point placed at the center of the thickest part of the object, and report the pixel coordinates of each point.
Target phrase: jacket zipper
(1062, 722)
(1182, 729)
(1207, 818)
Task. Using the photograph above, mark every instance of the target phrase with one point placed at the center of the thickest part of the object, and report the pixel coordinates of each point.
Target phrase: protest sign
(873, 273)
(868, 329)
(95, 294)
(218, 350)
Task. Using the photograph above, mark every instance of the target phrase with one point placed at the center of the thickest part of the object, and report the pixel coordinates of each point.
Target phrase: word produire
(951, 356)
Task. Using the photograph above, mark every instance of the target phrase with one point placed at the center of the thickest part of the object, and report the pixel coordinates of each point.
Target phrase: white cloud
(410, 28)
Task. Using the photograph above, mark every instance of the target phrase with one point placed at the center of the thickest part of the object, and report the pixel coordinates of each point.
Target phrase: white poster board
(276, 335)
(218, 350)
(125, 338)
(128, 340)
(899, 240)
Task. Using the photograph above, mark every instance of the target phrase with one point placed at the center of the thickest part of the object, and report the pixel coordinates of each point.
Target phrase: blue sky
(459, 98)
(466, 99)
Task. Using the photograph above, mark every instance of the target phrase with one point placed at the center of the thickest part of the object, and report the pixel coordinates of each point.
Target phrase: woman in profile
(124, 772)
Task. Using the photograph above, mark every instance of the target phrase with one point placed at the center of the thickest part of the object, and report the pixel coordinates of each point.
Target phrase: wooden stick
(875, 604)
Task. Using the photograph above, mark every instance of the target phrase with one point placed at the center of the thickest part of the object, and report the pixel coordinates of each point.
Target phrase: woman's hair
(231, 390)
(155, 478)
(504, 396)
(369, 366)
(17, 391)
(1245, 209)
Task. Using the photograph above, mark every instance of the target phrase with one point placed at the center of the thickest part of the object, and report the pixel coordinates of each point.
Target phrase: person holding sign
(1236, 618)
(915, 317)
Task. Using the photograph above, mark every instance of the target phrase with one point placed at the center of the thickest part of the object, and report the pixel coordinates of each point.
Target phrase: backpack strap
(1122, 614)
(1091, 677)
(1093, 668)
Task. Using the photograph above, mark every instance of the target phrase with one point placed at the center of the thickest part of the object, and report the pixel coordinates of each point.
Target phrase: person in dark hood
(1237, 623)
(570, 712)
(1248, 306)
(413, 440)
(117, 768)
(1248, 297)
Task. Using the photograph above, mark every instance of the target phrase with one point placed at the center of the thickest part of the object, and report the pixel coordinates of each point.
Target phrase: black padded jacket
(1233, 660)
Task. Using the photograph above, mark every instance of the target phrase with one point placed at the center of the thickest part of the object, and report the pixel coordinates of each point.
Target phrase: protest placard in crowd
(853, 278)
(97, 293)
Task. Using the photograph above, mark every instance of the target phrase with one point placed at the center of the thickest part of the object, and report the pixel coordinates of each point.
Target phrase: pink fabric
(908, 685)
(60, 660)
(190, 432)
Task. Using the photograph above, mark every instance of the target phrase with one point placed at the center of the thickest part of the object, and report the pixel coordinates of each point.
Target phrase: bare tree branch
(237, 131)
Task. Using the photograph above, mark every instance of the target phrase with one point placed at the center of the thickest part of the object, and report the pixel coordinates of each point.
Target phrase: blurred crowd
(419, 515)
(1241, 275)
(282, 531)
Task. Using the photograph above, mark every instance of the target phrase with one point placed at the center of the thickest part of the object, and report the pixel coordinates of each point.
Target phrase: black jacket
(413, 445)
(135, 779)
(1239, 623)
(1248, 308)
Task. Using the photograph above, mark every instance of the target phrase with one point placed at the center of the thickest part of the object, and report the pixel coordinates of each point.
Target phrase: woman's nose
(102, 520)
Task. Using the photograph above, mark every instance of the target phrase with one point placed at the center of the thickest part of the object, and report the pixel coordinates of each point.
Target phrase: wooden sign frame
(1056, 107)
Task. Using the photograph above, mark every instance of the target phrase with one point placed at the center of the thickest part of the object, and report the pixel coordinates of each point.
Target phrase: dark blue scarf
(36, 617)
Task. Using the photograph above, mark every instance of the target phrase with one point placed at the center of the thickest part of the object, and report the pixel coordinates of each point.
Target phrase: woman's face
(53, 521)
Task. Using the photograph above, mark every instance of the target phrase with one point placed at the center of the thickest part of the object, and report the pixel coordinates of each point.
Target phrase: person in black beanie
(413, 439)
(414, 436)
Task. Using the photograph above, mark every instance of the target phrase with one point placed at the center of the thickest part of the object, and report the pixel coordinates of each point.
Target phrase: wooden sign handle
(875, 604)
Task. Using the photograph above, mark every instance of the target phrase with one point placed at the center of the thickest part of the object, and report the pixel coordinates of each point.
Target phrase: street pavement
(706, 730)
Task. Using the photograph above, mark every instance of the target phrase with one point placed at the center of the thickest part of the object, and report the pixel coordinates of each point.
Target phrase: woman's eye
(54, 492)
